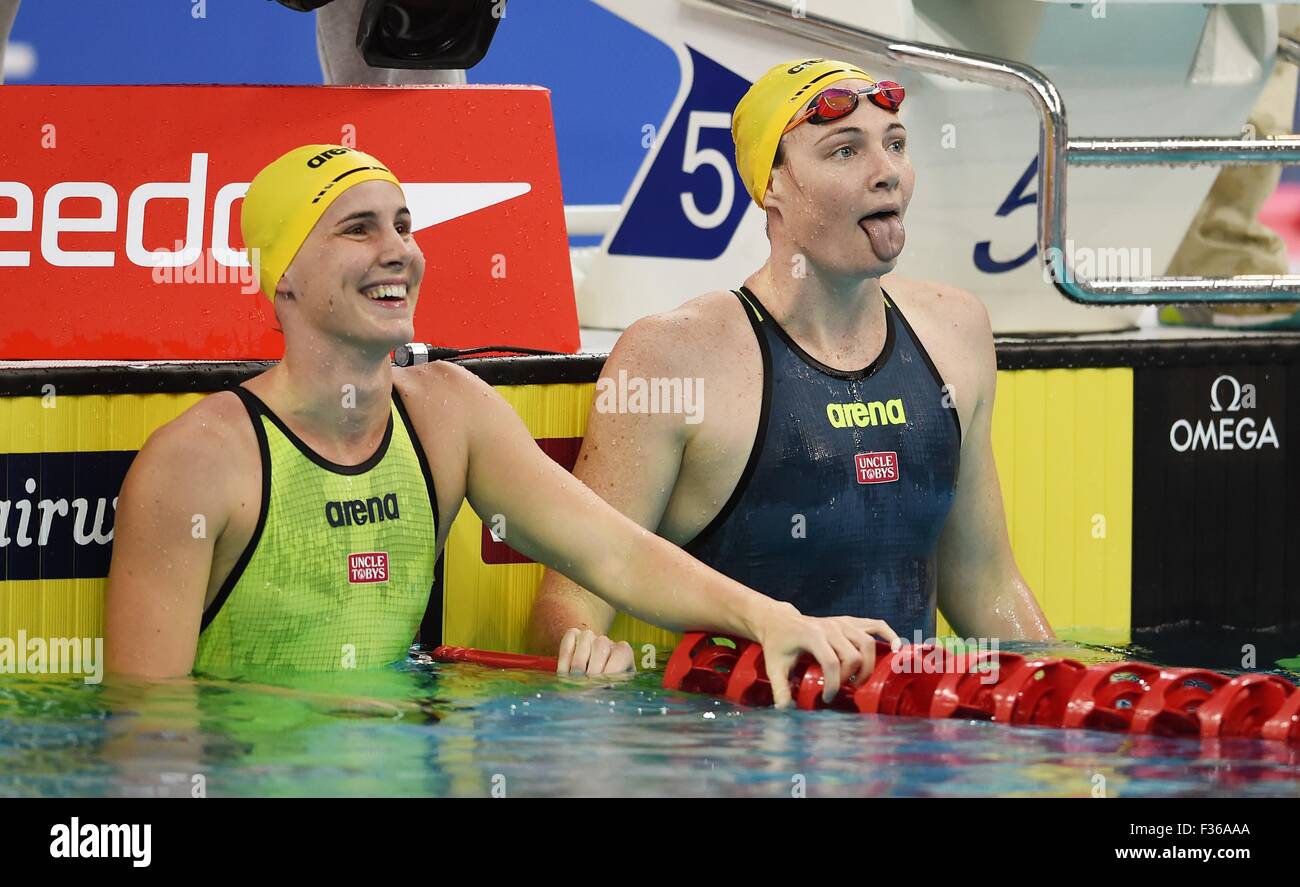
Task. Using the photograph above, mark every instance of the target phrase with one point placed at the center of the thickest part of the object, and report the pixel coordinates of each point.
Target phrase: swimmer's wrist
(757, 614)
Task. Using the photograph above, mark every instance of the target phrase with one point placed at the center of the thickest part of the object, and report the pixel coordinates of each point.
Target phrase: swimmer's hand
(585, 652)
(842, 645)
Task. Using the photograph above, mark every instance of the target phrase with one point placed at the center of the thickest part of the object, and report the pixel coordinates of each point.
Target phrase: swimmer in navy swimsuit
(835, 447)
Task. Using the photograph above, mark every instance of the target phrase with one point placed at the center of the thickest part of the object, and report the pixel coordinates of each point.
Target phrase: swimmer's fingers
(601, 647)
(780, 660)
(785, 636)
(850, 656)
(863, 634)
(608, 657)
(827, 657)
(866, 645)
(567, 645)
(582, 652)
(778, 664)
(880, 628)
(620, 660)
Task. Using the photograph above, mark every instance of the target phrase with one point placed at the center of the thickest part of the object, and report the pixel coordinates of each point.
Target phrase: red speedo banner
(119, 213)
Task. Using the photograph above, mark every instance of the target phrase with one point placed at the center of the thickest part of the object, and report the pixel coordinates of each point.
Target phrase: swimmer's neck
(331, 393)
(824, 312)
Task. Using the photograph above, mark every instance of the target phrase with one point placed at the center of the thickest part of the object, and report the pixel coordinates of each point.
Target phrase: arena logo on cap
(324, 156)
(799, 67)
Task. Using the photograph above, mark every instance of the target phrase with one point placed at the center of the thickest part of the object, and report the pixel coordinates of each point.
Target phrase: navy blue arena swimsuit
(849, 482)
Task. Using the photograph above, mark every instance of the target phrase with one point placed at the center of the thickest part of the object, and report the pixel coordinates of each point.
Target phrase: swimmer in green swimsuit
(293, 524)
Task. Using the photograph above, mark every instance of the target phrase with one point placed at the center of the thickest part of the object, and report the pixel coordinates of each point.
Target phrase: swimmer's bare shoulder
(698, 338)
(638, 459)
(940, 304)
(452, 411)
(186, 508)
(628, 452)
(954, 327)
(438, 400)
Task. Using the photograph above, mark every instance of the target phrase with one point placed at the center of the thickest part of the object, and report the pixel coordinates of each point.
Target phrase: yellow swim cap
(287, 198)
(770, 104)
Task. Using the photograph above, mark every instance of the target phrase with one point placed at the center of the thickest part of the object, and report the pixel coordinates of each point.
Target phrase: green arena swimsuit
(339, 569)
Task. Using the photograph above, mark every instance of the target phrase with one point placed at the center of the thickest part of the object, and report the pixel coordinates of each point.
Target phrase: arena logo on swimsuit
(359, 511)
(846, 415)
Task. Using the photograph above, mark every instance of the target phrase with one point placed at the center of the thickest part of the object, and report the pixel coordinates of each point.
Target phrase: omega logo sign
(1227, 395)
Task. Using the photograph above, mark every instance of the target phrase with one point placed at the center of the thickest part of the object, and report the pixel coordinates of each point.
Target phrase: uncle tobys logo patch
(876, 468)
(368, 566)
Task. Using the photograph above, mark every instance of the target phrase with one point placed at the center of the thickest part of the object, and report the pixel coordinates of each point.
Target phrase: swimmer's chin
(381, 341)
(878, 267)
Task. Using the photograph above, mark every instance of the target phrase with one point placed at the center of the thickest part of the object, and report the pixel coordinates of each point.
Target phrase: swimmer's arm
(158, 577)
(631, 460)
(553, 518)
(981, 590)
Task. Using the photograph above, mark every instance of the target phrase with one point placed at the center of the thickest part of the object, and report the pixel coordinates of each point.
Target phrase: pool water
(422, 728)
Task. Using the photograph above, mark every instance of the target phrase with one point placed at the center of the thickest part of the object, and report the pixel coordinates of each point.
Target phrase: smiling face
(842, 189)
(357, 275)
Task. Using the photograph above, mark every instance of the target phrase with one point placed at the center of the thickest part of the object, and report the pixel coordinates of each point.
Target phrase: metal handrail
(1288, 48)
(1193, 151)
(1056, 150)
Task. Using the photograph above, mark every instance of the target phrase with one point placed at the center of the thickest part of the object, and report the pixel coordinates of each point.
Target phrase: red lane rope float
(903, 682)
(1243, 705)
(927, 681)
(1036, 692)
(494, 659)
(748, 684)
(703, 663)
(969, 694)
(1169, 707)
(808, 692)
(1284, 724)
(1107, 695)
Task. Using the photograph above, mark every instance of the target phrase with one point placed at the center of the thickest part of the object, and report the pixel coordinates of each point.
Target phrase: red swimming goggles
(836, 102)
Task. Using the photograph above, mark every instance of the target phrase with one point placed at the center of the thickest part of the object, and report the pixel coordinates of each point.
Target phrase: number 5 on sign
(695, 157)
(672, 214)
